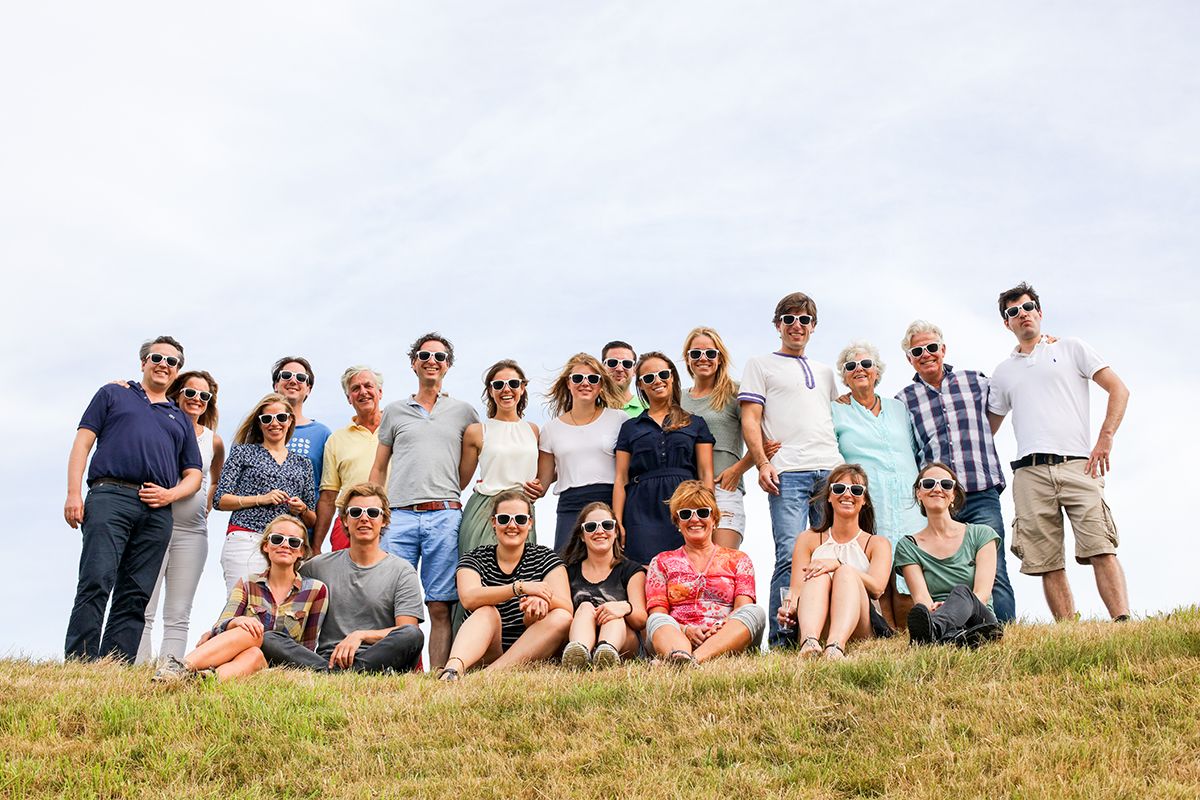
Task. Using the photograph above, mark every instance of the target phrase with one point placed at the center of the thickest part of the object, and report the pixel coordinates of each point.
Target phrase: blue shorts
(428, 539)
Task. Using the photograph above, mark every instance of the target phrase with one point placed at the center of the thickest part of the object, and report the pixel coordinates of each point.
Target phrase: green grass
(1085, 710)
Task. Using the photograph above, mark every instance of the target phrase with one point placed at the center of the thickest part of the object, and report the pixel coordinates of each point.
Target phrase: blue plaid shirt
(951, 426)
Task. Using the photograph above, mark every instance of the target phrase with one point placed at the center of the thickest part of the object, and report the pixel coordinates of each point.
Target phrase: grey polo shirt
(426, 449)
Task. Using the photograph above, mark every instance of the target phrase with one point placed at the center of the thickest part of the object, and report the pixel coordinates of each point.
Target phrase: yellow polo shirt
(349, 456)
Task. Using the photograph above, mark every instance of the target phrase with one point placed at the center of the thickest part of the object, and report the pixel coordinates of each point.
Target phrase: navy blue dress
(658, 463)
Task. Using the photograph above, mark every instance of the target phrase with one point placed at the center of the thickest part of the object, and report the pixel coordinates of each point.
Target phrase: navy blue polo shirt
(139, 441)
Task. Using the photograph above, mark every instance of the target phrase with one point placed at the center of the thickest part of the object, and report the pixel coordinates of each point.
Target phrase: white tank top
(191, 513)
(850, 553)
(508, 458)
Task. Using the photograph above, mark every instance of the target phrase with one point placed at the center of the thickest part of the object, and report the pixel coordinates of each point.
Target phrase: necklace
(592, 418)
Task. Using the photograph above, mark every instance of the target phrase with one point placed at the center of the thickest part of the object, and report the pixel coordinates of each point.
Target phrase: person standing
(146, 459)
(292, 377)
(1045, 386)
(619, 359)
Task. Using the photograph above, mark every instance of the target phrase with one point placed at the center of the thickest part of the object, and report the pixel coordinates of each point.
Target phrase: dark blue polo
(139, 441)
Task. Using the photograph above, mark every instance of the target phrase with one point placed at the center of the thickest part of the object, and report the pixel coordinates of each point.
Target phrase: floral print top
(673, 586)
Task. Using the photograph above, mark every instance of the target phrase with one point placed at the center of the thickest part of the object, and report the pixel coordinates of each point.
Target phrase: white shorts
(733, 510)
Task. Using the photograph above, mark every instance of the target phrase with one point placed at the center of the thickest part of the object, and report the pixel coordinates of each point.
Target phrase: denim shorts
(429, 541)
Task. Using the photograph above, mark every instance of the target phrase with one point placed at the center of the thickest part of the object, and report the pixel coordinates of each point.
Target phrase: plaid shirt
(299, 615)
(951, 426)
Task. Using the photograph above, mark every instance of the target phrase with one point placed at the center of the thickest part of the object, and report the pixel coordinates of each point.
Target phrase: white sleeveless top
(849, 553)
(191, 513)
(508, 457)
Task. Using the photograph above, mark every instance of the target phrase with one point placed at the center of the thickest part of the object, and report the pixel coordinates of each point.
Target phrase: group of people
(885, 512)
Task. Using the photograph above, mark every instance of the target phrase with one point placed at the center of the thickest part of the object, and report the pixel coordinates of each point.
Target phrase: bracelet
(514, 588)
(630, 608)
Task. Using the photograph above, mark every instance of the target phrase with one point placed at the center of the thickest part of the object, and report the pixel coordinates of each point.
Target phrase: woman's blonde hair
(694, 494)
(249, 431)
(305, 549)
(724, 389)
(559, 397)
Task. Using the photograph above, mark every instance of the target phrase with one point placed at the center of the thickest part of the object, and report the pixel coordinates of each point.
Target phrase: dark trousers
(960, 610)
(397, 652)
(983, 507)
(124, 541)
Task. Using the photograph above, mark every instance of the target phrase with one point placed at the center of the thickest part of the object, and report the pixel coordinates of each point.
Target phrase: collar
(354, 426)
(1016, 351)
(261, 578)
(412, 400)
(141, 390)
(946, 370)
(787, 355)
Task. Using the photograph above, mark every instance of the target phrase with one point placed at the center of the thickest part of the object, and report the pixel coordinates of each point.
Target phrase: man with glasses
(618, 359)
(420, 439)
(949, 413)
(1045, 386)
(785, 397)
(146, 458)
(371, 621)
(292, 377)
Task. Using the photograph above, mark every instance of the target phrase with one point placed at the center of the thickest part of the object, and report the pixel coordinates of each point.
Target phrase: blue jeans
(428, 539)
(789, 518)
(983, 507)
(124, 541)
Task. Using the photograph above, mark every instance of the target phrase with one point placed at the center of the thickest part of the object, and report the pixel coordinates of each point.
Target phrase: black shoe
(976, 635)
(920, 625)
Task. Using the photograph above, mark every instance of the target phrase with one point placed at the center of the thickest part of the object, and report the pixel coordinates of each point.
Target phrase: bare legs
(727, 537)
(478, 640)
(837, 603)
(1110, 582)
(732, 637)
(440, 634)
(615, 632)
(234, 653)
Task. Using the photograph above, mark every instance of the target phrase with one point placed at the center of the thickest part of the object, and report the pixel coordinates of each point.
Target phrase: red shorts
(338, 540)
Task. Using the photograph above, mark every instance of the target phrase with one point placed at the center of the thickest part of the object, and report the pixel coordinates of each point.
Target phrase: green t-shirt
(943, 574)
(635, 406)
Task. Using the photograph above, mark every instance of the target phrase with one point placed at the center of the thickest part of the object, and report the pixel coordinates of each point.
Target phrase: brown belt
(436, 505)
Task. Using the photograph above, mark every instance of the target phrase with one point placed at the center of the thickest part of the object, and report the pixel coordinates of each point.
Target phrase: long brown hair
(821, 502)
(209, 418)
(576, 550)
(249, 432)
(724, 390)
(506, 363)
(958, 497)
(559, 397)
(676, 417)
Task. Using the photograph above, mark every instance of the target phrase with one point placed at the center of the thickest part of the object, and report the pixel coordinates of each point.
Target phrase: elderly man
(949, 413)
(618, 359)
(146, 458)
(349, 452)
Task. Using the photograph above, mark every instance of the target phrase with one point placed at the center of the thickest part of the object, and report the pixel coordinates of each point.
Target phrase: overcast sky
(533, 179)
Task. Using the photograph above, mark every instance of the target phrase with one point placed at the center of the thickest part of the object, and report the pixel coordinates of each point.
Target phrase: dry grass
(1087, 710)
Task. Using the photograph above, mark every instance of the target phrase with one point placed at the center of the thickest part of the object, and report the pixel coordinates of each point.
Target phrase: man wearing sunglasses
(1045, 386)
(420, 440)
(949, 414)
(619, 359)
(146, 458)
(785, 397)
(292, 377)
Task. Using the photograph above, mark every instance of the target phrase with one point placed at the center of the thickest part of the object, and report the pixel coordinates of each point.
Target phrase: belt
(1037, 459)
(116, 482)
(436, 505)
(664, 472)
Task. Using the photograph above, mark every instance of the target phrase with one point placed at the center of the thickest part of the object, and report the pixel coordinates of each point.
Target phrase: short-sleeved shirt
(652, 448)
(537, 561)
(349, 456)
(138, 441)
(725, 426)
(674, 586)
(943, 574)
(426, 449)
(613, 589)
(363, 598)
(795, 393)
(308, 440)
(1047, 393)
(635, 406)
(250, 469)
(299, 615)
(583, 454)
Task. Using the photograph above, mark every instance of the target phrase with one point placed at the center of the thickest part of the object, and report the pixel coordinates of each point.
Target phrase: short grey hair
(144, 351)
(350, 372)
(919, 326)
(860, 347)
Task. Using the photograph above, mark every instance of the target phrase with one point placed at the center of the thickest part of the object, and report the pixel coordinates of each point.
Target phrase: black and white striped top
(537, 561)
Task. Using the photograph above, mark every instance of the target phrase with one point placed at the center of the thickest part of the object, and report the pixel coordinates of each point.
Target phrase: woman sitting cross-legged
(701, 596)
(950, 567)
(517, 596)
(278, 599)
(607, 590)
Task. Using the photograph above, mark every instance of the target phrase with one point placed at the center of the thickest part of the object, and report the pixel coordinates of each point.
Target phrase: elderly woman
(950, 567)
(701, 596)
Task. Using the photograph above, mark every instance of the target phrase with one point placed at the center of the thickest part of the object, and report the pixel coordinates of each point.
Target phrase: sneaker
(172, 671)
(920, 625)
(605, 656)
(576, 656)
(976, 635)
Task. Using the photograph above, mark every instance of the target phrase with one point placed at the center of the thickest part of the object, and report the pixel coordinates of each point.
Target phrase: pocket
(1110, 525)
(1016, 545)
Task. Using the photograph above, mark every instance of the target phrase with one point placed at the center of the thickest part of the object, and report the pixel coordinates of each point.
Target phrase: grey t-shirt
(363, 598)
(426, 449)
(725, 426)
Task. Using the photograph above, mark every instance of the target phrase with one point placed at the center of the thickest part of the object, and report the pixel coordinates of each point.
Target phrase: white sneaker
(575, 656)
(606, 656)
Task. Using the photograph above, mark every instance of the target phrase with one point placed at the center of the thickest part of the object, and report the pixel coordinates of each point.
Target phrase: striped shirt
(299, 615)
(537, 561)
(951, 426)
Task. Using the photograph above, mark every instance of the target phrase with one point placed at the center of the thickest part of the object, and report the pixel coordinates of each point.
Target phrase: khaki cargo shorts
(1041, 494)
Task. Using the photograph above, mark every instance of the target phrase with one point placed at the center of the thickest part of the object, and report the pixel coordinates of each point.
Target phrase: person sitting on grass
(608, 592)
(693, 592)
(276, 600)
(950, 567)
(517, 596)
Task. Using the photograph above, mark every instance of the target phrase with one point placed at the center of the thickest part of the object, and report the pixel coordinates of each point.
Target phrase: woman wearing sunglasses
(701, 596)
(877, 434)
(607, 590)
(195, 393)
(840, 569)
(278, 599)
(656, 451)
(516, 594)
(576, 446)
(950, 567)
(261, 479)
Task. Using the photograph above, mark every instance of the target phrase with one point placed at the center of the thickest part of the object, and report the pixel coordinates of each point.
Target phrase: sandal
(834, 646)
(681, 658)
(450, 674)
(810, 652)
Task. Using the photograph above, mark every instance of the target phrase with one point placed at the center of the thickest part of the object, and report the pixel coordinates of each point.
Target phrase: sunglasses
(512, 383)
(613, 363)
(192, 394)
(578, 378)
(792, 319)
(158, 358)
(608, 525)
(1028, 306)
(663, 375)
(929, 483)
(920, 350)
(856, 489)
(372, 512)
(282, 416)
(294, 542)
(686, 513)
(866, 363)
(711, 354)
(439, 356)
(287, 375)
(520, 520)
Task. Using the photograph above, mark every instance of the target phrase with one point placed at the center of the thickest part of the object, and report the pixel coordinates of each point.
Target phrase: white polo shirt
(1047, 393)
(795, 393)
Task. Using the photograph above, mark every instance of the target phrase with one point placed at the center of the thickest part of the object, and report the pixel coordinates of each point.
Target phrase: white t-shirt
(583, 454)
(1047, 393)
(795, 393)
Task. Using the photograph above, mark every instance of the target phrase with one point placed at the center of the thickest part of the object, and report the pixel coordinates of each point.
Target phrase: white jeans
(241, 557)
(180, 572)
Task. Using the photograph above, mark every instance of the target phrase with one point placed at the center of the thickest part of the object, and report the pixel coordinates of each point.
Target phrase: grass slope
(1088, 710)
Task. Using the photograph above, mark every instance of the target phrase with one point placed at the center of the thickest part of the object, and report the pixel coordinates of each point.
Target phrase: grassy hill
(1086, 710)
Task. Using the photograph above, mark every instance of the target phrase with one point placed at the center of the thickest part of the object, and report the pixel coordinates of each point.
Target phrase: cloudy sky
(533, 179)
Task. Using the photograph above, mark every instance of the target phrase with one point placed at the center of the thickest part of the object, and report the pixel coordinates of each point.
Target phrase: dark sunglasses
(856, 489)
(192, 394)
(686, 513)
(439, 356)
(372, 512)
(1028, 306)
(612, 363)
(928, 483)
(697, 354)
(578, 378)
(158, 358)
(603, 524)
(663, 375)
(520, 520)
(294, 542)
(512, 383)
(282, 416)
(287, 375)
(791, 319)
(920, 350)
(865, 363)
